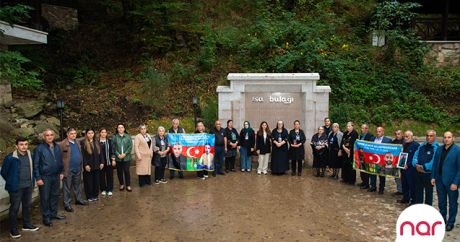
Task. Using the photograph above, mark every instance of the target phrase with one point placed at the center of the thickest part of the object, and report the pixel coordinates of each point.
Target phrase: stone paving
(235, 207)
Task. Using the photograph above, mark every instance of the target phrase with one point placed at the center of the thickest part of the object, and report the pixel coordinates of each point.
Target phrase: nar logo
(420, 223)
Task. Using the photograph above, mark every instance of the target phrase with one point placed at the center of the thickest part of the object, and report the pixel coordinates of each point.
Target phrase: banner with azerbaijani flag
(377, 159)
(191, 152)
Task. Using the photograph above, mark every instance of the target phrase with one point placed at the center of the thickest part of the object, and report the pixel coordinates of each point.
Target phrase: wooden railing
(432, 28)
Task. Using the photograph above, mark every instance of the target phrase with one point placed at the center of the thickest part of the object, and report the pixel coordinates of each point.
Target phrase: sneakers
(103, 193)
(157, 182)
(15, 234)
(265, 173)
(109, 193)
(90, 200)
(258, 173)
(206, 176)
(163, 181)
(242, 170)
(29, 227)
(202, 178)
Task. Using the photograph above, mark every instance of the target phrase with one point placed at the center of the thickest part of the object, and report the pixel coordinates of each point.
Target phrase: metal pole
(194, 106)
(62, 129)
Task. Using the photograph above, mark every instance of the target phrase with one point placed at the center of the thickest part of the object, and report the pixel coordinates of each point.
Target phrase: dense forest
(143, 60)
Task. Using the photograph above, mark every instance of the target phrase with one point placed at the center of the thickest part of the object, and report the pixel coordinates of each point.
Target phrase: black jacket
(93, 160)
(45, 164)
(249, 143)
(111, 152)
(156, 157)
(228, 134)
(368, 136)
(264, 147)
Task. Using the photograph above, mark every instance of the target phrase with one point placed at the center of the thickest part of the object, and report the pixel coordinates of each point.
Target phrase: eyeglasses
(429, 135)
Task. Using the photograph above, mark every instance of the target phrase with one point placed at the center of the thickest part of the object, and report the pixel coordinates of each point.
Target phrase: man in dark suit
(380, 138)
(445, 176)
(365, 135)
(179, 160)
(408, 173)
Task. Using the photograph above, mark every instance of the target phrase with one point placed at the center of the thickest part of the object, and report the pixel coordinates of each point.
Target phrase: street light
(60, 105)
(195, 102)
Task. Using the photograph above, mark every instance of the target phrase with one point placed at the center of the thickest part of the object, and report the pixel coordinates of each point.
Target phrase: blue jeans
(173, 172)
(444, 192)
(245, 160)
(219, 153)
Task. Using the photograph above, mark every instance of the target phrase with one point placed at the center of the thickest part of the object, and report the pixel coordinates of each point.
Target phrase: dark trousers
(106, 178)
(200, 174)
(73, 179)
(49, 196)
(444, 192)
(365, 178)
(160, 170)
(382, 182)
(230, 163)
(145, 180)
(299, 165)
(123, 167)
(348, 173)
(24, 195)
(219, 152)
(91, 181)
(423, 185)
(408, 184)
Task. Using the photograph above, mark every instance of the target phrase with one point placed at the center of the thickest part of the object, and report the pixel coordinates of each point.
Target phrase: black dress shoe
(397, 194)
(335, 178)
(47, 223)
(29, 227)
(350, 183)
(364, 187)
(150, 183)
(331, 176)
(317, 175)
(360, 184)
(449, 227)
(402, 201)
(342, 181)
(59, 217)
(380, 192)
(322, 175)
(68, 209)
(171, 177)
(221, 173)
(227, 171)
(81, 203)
(300, 173)
(181, 176)
(234, 170)
(372, 190)
(293, 174)
(214, 174)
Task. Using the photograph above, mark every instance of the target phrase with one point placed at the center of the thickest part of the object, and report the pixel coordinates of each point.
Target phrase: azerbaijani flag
(193, 148)
(373, 156)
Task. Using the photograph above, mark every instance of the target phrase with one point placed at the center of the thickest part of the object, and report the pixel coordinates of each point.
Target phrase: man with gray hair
(365, 135)
(175, 129)
(400, 141)
(408, 172)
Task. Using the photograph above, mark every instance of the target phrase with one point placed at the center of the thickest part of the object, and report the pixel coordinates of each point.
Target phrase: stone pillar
(5, 87)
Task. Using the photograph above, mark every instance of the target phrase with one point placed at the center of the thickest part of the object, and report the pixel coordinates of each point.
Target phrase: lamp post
(60, 105)
(195, 102)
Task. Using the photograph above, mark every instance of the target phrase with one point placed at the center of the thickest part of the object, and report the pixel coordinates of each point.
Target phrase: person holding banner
(400, 141)
(263, 147)
(160, 157)
(365, 135)
(380, 138)
(335, 153)
(219, 148)
(200, 130)
(246, 146)
(446, 177)
(319, 147)
(144, 153)
(175, 129)
(348, 150)
(296, 140)
(232, 144)
(423, 162)
(280, 157)
(408, 173)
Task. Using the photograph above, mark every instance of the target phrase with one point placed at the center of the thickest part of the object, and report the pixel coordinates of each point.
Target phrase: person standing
(446, 177)
(92, 163)
(380, 138)
(320, 149)
(123, 146)
(144, 153)
(200, 130)
(335, 152)
(263, 147)
(175, 129)
(296, 140)
(408, 172)
(423, 162)
(219, 148)
(73, 163)
(108, 159)
(280, 156)
(366, 136)
(48, 170)
(246, 146)
(348, 151)
(232, 143)
(17, 170)
(327, 126)
(160, 157)
(399, 139)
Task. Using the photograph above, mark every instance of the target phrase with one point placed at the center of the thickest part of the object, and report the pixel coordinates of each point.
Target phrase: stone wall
(60, 17)
(5, 87)
(445, 52)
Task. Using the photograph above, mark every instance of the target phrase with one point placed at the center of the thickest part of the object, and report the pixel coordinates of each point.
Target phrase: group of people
(97, 155)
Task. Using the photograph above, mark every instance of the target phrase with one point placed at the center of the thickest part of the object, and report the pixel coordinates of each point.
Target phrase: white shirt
(377, 140)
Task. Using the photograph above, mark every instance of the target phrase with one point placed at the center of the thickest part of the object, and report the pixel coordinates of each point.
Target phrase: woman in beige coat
(144, 152)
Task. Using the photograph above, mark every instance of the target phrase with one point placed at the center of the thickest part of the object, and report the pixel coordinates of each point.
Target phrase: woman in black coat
(232, 143)
(296, 150)
(348, 151)
(246, 146)
(280, 156)
(160, 155)
(92, 163)
(263, 147)
(108, 159)
(319, 146)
